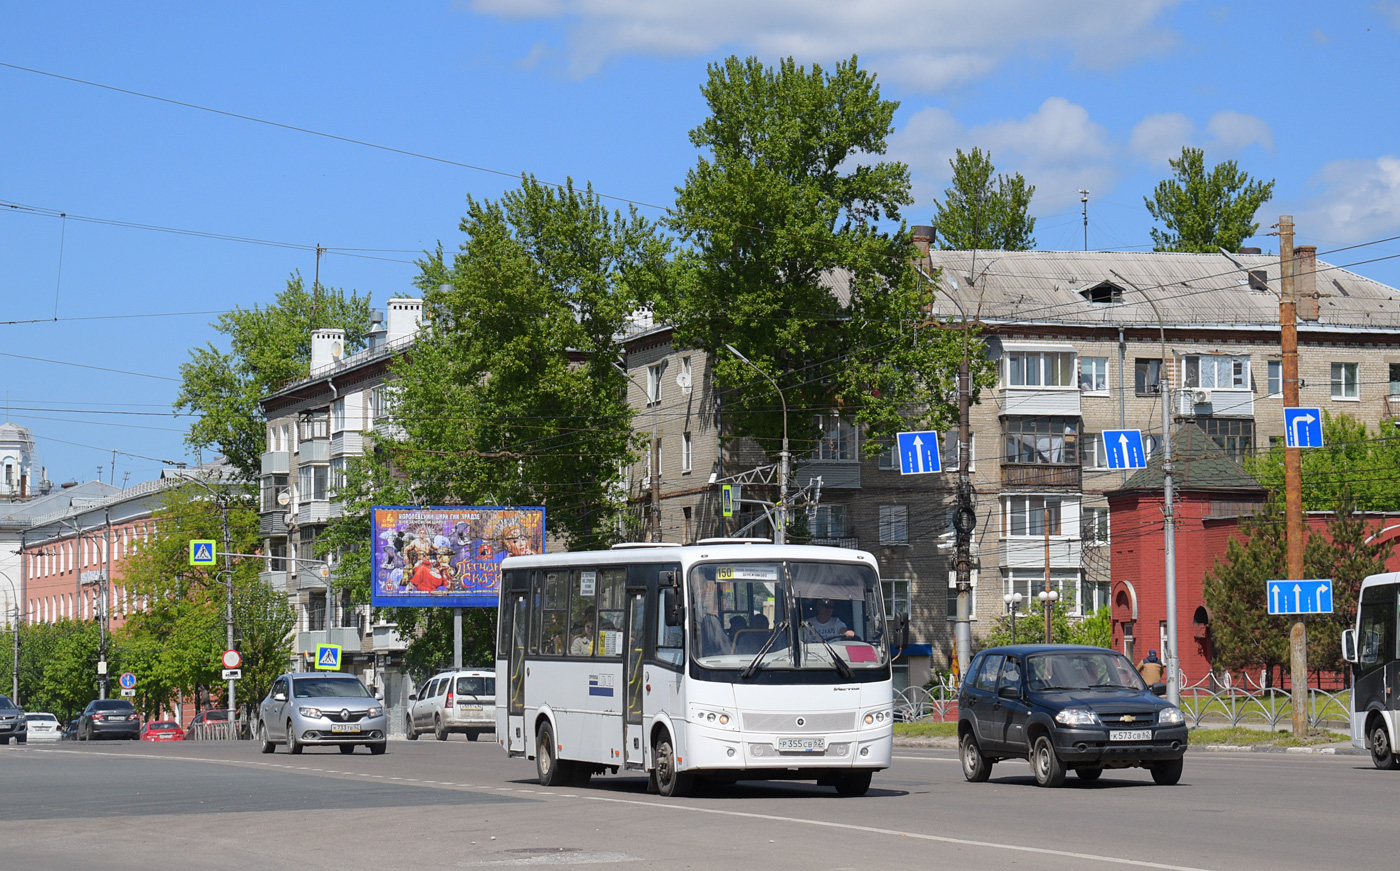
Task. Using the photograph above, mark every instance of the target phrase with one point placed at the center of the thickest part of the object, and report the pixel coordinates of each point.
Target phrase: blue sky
(1088, 94)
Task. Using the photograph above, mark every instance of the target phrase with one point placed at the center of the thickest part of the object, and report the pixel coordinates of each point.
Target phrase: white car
(453, 701)
(43, 727)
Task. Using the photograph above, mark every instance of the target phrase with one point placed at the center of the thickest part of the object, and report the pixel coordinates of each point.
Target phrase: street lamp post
(779, 534)
(1014, 600)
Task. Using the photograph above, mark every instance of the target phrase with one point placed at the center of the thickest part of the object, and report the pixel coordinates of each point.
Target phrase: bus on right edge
(1371, 649)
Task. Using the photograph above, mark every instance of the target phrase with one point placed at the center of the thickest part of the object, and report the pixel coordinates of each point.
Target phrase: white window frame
(888, 458)
(894, 525)
(1344, 376)
(838, 442)
(829, 521)
(1094, 454)
(1028, 582)
(654, 383)
(1216, 371)
(1033, 507)
(1088, 525)
(1275, 378)
(1090, 367)
(1036, 369)
(337, 415)
(899, 596)
(687, 453)
(950, 456)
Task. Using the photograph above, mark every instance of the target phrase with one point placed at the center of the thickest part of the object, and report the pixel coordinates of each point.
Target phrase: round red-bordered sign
(232, 659)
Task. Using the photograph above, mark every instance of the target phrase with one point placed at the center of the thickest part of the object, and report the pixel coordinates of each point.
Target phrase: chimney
(923, 237)
(327, 347)
(1250, 251)
(404, 318)
(376, 329)
(1305, 281)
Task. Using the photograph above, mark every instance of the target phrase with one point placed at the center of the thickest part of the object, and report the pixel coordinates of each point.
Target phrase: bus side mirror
(671, 607)
(899, 630)
(1349, 645)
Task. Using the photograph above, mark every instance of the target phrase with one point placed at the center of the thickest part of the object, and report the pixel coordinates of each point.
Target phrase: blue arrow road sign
(1309, 596)
(918, 453)
(1302, 427)
(328, 657)
(1124, 448)
(128, 681)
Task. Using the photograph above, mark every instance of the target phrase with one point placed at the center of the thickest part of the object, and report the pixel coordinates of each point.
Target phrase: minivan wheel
(975, 766)
(267, 745)
(1167, 772)
(439, 730)
(1046, 764)
(1382, 754)
(409, 730)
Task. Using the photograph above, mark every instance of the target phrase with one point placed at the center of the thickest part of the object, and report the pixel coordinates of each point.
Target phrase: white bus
(726, 660)
(1371, 649)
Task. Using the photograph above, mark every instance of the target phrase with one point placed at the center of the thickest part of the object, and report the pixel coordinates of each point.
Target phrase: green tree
(980, 211)
(57, 666)
(1095, 630)
(268, 347)
(786, 263)
(1354, 458)
(1347, 557)
(510, 395)
(1244, 635)
(1205, 211)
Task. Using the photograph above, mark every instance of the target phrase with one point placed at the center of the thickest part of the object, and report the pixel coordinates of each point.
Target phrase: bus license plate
(1130, 735)
(344, 727)
(801, 745)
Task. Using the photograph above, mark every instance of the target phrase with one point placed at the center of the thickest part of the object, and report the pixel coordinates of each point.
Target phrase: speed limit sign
(232, 659)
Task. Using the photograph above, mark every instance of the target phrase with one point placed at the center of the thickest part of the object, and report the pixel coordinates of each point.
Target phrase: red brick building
(1212, 494)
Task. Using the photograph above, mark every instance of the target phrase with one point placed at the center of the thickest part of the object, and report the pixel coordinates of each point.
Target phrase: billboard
(448, 556)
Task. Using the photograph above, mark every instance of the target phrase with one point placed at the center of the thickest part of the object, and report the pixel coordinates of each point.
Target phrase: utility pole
(228, 603)
(104, 603)
(964, 516)
(1084, 208)
(1293, 475)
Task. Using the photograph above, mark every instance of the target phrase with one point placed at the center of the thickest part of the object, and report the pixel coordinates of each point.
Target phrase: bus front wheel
(670, 782)
(1382, 754)
(552, 770)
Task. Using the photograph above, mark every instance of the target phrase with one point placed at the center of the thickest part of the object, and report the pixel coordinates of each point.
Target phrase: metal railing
(214, 730)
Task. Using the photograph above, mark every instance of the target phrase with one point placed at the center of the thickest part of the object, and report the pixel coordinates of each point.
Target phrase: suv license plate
(1130, 735)
(801, 745)
(344, 727)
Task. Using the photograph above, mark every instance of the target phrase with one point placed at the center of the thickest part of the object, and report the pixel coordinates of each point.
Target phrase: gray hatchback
(321, 709)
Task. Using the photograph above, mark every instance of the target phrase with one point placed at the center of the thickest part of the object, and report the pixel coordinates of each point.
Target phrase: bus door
(634, 740)
(515, 679)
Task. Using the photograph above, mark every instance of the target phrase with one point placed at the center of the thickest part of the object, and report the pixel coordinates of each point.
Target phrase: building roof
(1198, 463)
(21, 515)
(1189, 289)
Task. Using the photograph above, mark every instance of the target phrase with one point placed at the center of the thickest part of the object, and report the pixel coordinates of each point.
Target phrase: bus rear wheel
(551, 770)
(1382, 754)
(670, 782)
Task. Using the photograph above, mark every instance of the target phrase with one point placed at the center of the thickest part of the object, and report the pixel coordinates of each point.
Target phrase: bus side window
(555, 609)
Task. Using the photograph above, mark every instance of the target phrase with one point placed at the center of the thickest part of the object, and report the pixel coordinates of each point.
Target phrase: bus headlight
(717, 717)
(879, 717)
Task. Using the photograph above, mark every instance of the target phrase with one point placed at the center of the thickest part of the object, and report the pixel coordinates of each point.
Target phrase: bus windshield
(797, 615)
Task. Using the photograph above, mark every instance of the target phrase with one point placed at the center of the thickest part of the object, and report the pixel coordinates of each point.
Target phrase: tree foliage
(1355, 458)
(1204, 211)
(1095, 630)
(268, 347)
(510, 395)
(785, 261)
(980, 211)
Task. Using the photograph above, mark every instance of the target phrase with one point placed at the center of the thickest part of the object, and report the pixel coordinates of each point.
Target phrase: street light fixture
(1014, 600)
(780, 534)
(1047, 603)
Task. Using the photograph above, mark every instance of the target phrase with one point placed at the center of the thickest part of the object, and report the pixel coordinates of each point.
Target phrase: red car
(162, 730)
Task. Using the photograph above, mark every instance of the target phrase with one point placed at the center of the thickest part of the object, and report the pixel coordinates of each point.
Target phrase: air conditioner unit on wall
(1201, 397)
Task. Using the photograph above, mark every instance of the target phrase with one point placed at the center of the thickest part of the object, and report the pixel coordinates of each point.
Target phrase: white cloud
(1234, 131)
(1058, 148)
(1389, 11)
(1360, 201)
(928, 44)
(1159, 138)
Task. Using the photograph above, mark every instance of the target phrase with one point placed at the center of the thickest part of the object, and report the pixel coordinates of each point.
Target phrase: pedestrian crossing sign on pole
(202, 552)
(328, 657)
(726, 500)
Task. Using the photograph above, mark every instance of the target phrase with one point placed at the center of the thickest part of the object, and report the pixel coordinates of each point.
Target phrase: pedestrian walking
(1151, 668)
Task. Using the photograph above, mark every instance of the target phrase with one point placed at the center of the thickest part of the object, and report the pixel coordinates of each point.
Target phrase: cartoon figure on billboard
(448, 556)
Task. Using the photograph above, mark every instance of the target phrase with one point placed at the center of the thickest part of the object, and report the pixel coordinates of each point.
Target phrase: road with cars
(459, 804)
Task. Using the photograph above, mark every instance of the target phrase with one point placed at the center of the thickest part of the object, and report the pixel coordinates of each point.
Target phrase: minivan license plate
(344, 727)
(1130, 735)
(801, 745)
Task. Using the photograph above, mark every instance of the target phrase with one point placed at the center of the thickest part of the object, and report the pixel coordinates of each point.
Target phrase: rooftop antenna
(1084, 208)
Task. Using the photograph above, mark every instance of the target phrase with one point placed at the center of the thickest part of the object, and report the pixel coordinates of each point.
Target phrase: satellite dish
(337, 350)
(993, 346)
(283, 498)
(683, 380)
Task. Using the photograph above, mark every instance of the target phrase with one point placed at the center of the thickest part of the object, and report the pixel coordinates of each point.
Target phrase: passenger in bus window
(582, 643)
(737, 624)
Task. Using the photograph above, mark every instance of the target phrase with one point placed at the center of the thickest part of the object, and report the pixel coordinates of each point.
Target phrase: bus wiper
(841, 667)
(752, 667)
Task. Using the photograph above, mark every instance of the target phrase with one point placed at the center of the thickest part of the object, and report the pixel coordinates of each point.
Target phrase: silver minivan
(453, 701)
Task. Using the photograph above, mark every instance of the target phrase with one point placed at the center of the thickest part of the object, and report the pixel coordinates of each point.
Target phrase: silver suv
(319, 709)
(453, 701)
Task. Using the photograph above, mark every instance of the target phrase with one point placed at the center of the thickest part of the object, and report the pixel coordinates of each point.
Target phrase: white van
(453, 701)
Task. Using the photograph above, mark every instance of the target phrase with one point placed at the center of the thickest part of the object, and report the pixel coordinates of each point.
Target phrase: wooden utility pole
(1047, 604)
(1293, 475)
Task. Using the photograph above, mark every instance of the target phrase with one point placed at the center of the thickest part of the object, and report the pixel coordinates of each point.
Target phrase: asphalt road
(465, 805)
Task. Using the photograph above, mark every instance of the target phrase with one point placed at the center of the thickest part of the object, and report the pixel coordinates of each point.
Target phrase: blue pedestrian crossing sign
(1124, 448)
(127, 681)
(918, 453)
(1310, 596)
(202, 552)
(1302, 427)
(726, 500)
(328, 657)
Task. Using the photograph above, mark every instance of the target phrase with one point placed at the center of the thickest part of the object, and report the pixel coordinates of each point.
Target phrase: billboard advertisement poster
(448, 556)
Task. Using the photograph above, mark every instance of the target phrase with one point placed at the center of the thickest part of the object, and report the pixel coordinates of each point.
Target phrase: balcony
(273, 523)
(1040, 401)
(1029, 552)
(1035, 476)
(835, 474)
(313, 512)
(314, 451)
(276, 462)
(276, 581)
(387, 638)
(349, 443)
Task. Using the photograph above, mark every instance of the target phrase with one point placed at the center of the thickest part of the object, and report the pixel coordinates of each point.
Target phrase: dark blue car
(1063, 707)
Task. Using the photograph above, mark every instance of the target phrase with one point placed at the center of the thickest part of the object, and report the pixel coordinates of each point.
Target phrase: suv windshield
(797, 614)
(329, 687)
(1082, 670)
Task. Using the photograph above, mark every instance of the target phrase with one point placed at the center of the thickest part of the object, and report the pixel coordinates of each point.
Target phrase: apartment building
(314, 426)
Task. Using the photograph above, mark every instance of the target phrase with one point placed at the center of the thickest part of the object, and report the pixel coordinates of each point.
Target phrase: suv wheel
(439, 730)
(1046, 764)
(1167, 773)
(1088, 775)
(976, 767)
